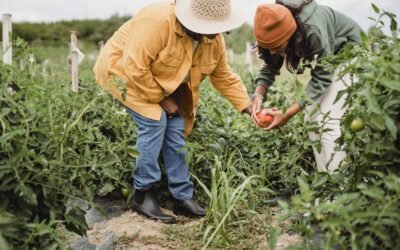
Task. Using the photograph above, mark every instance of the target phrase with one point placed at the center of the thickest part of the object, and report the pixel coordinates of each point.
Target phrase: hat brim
(185, 15)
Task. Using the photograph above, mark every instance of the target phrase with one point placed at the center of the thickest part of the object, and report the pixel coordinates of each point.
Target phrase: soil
(130, 230)
(133, 231)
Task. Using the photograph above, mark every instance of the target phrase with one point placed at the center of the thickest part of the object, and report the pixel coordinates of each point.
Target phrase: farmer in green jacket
(289, 31)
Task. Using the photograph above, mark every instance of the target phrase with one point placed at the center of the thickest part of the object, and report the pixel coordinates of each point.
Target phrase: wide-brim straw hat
(209, 16)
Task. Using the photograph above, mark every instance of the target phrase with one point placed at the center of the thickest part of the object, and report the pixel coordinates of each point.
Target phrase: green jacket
(327, 31)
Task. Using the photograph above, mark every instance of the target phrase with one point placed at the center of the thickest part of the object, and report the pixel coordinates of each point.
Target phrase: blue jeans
(166, 136)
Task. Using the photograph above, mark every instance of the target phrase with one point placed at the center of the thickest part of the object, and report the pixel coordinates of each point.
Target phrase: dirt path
(115, 226)
(132, 231)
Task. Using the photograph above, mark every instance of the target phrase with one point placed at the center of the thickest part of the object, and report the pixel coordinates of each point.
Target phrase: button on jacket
(149, 57)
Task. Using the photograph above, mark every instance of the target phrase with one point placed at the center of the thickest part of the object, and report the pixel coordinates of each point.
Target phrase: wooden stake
(249, 58)
(74, 62)
(7, 38)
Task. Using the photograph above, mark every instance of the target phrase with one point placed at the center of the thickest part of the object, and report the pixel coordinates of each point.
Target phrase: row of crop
(356, 208)
(56, 146)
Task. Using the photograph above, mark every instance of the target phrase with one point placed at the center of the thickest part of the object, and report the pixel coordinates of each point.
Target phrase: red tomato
(265, 120)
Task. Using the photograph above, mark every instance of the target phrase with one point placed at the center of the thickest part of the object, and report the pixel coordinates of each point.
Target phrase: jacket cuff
(262, 82)
(243, 106)
(302, 103)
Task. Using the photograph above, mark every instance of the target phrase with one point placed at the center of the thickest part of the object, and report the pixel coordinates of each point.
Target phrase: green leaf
(76, 222)
(110, 160)
(303, 185)
(392, 84)
(6, 218)
(111, 173)
(29, 195)
(391, 126)
(372, 102)
(132, 152)
(107, 188)
(3, 243)
(364, 38)
(393, 183)
(378, 122)
(273, 235)
(393, 24)
(10, 135)
(376, 9)
(375, 193)
(322, 180)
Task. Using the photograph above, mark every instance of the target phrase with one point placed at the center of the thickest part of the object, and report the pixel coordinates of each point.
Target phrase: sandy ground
(130, 229)
(133, 231)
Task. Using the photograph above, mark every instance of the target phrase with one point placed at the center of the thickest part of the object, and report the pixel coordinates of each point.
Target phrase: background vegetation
(94, 31)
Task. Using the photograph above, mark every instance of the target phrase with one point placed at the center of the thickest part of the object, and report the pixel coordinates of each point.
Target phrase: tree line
(96, 30)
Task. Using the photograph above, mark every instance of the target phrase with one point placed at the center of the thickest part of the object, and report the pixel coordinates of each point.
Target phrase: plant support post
(7, 38)
(74, 61)
(249, 57)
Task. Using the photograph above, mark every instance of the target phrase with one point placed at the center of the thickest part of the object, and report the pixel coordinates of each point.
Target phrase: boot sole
(172, 221)
(189, 215)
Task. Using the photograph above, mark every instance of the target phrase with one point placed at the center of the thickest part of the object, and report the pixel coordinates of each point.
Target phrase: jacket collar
(307, 11)
(179, 31)
(207, 40)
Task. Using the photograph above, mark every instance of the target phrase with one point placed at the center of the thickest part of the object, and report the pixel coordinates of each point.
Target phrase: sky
(55, 10)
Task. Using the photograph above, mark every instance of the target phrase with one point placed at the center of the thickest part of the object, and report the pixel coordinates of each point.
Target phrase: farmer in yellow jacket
(154, 65)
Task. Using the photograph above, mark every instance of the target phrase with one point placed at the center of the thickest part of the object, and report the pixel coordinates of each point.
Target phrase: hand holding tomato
(278, 118)
(264, 119)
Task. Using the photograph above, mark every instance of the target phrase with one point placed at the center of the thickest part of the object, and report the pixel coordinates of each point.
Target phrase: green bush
(58, 33)
(94, 31)
(358, 207)
(56, 147)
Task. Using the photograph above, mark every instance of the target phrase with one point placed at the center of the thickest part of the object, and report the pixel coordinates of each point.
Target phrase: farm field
(64, 154)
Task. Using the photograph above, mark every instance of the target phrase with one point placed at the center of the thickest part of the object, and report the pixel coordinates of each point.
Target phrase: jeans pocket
(138, 118)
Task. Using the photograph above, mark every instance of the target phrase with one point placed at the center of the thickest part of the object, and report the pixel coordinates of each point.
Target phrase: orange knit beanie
(273, 25)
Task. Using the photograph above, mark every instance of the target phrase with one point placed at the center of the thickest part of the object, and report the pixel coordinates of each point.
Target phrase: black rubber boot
(145, 203)
(188, 208)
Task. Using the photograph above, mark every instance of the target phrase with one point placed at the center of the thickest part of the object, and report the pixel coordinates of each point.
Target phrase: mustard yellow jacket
(149, 57)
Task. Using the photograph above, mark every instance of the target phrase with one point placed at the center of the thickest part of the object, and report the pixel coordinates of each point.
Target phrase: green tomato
(125, 192)
(319, 217)
(357, 124)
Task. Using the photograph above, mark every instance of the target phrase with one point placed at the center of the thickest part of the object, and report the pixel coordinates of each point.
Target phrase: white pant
(328, 116)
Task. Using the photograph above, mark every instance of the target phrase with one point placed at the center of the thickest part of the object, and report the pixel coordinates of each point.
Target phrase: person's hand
(279, 119)
(170, 106)
(256, 104)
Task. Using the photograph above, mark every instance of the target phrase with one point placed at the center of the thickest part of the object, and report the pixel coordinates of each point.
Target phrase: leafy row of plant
(355, 208)
(358, 207)
(56, 147)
